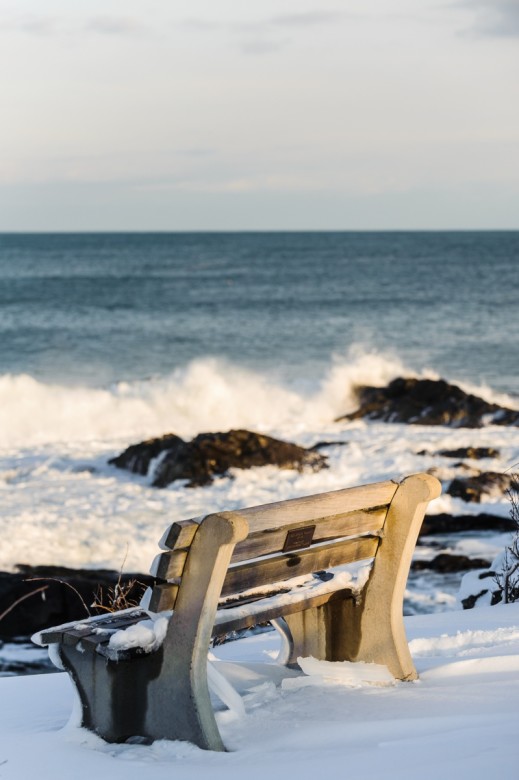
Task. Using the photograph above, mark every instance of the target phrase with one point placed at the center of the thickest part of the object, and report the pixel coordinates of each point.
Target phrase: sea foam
(206, 395)
(61, 503)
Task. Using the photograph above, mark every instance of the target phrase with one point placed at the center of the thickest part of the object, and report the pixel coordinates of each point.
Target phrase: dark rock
(452, 472)
(445, 563)
(320, 445)
(470, 601)
(471, 489)
(473, 453)
(496, 595)
(428, 402)
(138, 457)
(17, 658)
(213, 454)
(60, 602)
(449, 524)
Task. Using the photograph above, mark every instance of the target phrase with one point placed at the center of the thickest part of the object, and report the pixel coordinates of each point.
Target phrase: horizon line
(186, 231)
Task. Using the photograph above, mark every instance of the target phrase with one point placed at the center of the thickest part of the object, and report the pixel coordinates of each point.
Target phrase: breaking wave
(206, 395)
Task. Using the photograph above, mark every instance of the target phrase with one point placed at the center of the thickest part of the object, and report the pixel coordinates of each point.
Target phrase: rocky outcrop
(487, 483)
(428, 402)
(446, 563)
(472, 453)
(37, 597)
(484, 589)
(198, 461)
(139, 457)
(453, 524)
(321, 445)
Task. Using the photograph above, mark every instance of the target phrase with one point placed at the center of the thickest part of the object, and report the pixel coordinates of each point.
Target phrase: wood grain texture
(312, 509)
(169, 565)
(163, 597)
(269, 541)
(260, 612)
(294, 512)
(179, 535)
(375, 632)
(282, 567)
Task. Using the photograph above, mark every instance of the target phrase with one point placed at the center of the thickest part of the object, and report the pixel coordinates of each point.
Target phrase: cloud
(262, 36)
(261, 182)
(196, 151)
(263, 45)
(495, 17)
(307, 19)
(40, 25)
(202, 25)
(114, 25)
(30, 24)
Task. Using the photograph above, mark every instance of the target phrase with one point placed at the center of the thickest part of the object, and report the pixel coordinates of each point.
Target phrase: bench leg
(144, 697)
(371, 628)
(309, 636)
(376, 632)
(179, 705)
(286, 651)
(342, 631)
(379, 633)
(114, 696)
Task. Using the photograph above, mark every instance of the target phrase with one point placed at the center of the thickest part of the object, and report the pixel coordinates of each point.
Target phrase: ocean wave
(208, 394)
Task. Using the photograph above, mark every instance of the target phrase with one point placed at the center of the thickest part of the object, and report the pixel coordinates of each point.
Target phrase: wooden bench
(232, 570)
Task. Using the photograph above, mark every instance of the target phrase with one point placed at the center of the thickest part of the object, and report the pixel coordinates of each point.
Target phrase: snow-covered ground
(459, 720)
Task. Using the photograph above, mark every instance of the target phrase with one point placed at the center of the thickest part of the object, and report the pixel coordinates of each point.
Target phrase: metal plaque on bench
(298, 538)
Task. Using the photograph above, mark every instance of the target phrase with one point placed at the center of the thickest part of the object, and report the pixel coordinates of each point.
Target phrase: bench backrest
(283, 540)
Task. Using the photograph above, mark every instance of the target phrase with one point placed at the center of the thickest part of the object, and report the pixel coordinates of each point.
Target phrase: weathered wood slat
(259, 613)
(317, 507)
(113, 621)
(266, 542)
(56, 635)
(294, 512)
(163, 597)
(179, 535)
(169, 565)
(282, 567)
(94, 640)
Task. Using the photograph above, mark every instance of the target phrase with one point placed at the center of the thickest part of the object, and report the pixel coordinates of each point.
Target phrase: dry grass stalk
(61, 582)
(22, 598)
(117, 597)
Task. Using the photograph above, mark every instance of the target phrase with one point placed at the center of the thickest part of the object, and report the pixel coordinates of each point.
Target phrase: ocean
(108, 339)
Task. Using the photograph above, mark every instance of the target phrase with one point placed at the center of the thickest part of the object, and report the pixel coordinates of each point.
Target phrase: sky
(285, 114)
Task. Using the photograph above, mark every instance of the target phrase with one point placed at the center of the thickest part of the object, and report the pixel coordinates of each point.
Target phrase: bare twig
(117, 597)
(507, 578)
(62, 582)
(22, 598)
